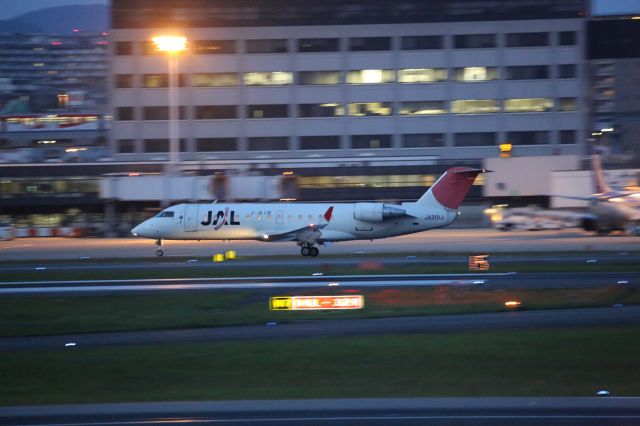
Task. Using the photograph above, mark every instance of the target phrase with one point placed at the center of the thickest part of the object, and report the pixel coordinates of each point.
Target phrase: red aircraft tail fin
(454, 185)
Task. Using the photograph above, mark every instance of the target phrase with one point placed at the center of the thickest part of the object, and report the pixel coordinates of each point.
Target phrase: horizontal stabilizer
(471, 172)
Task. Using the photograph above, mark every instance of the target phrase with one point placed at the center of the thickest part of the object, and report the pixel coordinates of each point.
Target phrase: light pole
(172, 46)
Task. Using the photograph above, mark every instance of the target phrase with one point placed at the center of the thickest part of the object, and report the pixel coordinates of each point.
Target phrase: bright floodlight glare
(170, 44)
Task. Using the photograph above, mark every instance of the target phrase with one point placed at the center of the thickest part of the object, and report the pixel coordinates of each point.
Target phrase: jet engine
(376, 212)
(589, 224)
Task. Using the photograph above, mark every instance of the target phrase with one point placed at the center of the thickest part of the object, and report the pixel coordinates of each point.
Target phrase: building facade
(350, 83)
(53, 72)
(614, 59)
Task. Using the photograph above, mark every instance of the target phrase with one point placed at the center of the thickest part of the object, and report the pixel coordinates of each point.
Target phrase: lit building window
(273, 78)
(318, 77)
(475, 106)
(320, 110)
(155, 80)
(423, 108)
(568, 104)
(370, 76)
(214, 79)
(370, 141)
(422, 75)
(528, 105)
(362, 109)
(476, 73)
(268, 111)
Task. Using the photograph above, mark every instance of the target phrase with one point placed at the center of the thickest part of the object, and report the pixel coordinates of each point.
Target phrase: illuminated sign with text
(300, 303)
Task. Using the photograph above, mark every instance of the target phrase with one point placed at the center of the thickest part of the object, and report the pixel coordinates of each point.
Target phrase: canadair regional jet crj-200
(309, 224)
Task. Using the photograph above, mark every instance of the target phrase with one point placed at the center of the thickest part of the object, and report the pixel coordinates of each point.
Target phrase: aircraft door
(279, 217)
(191, 217)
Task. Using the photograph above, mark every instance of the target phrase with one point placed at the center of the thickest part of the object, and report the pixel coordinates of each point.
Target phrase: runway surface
(392, 411)
(437, 240)
(485, 281)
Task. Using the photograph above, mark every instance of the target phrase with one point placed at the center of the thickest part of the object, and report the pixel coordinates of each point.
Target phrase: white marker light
(265, 236)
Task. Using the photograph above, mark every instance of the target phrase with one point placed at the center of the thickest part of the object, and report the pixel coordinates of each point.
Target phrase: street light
(172, 46)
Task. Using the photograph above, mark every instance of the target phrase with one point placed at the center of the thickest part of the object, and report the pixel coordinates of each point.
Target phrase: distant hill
(60, 20)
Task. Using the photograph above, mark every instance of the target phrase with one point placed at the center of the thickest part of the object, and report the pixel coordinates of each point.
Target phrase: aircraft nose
(136, 230)
(143, 230)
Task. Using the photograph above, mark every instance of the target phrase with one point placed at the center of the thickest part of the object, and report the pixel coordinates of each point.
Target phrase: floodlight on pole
(172, 46)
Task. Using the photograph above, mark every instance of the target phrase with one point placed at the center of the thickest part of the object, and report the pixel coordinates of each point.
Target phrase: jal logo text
(221, 218)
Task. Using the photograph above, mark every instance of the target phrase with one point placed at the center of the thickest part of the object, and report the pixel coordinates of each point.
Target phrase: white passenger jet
(309, 224)
(609, 209)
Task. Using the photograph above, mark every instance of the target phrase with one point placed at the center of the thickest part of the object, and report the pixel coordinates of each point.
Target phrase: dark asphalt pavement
(627, 315)
(393, 411)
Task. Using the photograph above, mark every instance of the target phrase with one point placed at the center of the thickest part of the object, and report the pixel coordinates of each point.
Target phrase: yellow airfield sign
(301, 303)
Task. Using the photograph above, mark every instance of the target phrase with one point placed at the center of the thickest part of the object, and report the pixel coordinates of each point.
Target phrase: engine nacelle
(589, 224)
(376, 212)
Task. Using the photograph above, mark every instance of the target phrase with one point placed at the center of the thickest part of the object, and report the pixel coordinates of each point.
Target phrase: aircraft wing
(598, 197)
(616, 195)
(310, 233)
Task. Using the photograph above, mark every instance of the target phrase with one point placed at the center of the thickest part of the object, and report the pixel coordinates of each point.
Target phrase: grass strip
(42, 315)
(536, 362)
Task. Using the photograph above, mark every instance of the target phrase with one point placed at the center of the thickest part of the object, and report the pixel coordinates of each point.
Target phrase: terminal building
(392, 93)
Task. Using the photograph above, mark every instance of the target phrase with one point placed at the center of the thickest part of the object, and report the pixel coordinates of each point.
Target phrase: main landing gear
(159, 251)
(309, 250)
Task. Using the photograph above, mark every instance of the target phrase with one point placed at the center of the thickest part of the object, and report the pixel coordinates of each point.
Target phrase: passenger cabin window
(165, 214)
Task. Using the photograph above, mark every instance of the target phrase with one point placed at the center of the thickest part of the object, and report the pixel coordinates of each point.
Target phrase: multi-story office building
(64, 72)
(614, 57)
(350, 82)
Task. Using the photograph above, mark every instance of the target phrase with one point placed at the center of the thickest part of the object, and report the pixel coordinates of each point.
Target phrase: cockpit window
(165, 214)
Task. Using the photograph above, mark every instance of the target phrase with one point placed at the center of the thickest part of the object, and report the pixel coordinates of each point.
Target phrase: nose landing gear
(159, 251)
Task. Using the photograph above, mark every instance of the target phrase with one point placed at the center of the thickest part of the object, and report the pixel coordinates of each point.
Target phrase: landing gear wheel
(159, 252)
(305, 251)
(313, 251)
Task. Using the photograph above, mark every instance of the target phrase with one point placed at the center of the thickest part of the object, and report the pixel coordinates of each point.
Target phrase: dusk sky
(12, 8)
